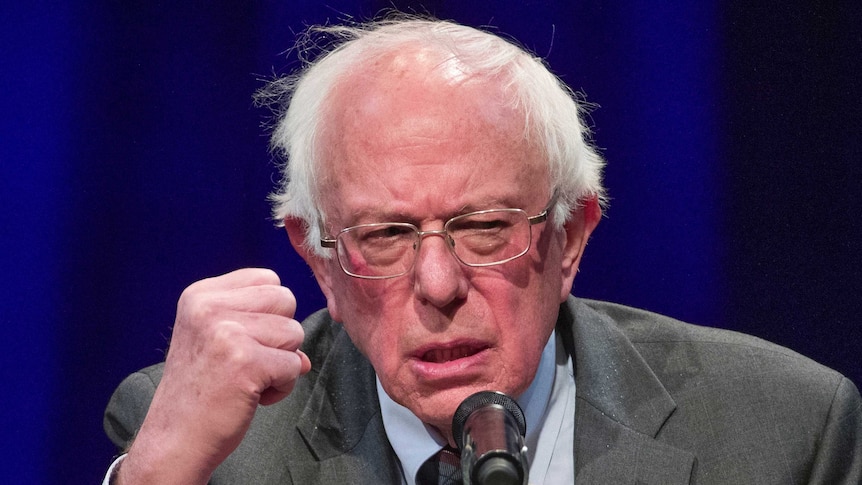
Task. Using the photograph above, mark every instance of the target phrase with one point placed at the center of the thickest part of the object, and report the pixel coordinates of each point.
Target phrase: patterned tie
(444, 468)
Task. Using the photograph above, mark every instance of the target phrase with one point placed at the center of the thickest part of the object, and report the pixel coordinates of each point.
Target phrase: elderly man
(442, 188)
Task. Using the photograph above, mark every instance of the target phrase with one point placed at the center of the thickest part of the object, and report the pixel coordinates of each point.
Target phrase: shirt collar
(414, 441)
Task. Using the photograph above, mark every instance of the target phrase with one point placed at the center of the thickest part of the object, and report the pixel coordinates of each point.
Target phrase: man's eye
(385, 233)
(481, 226)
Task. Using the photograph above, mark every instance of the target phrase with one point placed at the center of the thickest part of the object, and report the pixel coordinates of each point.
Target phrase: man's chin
(437, 410)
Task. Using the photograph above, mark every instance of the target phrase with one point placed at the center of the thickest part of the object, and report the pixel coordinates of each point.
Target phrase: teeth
(445, 355)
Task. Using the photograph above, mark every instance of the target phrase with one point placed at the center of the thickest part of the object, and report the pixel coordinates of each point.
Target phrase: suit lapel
(620, 408)
(341, 424)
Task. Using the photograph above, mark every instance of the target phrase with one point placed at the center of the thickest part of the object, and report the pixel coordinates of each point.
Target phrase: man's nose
(439, 276)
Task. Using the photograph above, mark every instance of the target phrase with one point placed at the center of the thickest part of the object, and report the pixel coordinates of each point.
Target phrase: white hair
(553, 116)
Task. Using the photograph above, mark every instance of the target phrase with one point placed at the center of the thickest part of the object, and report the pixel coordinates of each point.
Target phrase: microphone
(489, 429)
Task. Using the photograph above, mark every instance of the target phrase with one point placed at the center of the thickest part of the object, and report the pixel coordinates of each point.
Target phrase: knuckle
(228, 343)
(196, 307)
(225, 335)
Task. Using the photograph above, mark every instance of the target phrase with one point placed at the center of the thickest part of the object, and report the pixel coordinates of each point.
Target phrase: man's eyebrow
(492, 203)
(371, 216)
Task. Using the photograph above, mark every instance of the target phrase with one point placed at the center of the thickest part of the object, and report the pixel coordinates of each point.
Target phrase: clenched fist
(235, 345)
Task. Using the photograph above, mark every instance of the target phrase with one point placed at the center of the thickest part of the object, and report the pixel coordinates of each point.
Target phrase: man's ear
(297, 230)
(577, 231)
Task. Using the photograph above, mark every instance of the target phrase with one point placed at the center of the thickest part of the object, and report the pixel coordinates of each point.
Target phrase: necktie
(444, 468)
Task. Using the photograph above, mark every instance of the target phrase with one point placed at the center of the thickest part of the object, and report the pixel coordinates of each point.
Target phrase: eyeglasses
(477, 239)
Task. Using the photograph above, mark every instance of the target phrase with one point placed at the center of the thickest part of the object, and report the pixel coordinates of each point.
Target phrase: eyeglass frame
(332, 242)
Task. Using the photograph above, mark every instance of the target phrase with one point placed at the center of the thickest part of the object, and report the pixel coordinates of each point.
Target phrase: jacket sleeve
(129, 404)
(839, 454)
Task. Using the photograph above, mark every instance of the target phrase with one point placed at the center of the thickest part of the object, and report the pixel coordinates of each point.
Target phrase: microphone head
(481, 399)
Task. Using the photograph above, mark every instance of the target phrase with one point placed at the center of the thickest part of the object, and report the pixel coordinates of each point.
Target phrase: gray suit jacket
(658, 402)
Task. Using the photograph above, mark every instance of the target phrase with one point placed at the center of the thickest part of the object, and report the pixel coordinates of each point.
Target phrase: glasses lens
(490, 237)
(377, 250)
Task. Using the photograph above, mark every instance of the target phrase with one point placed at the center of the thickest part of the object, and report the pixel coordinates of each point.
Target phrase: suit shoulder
(645, 328)
(129, 404)
(738, 399)
(673, 348)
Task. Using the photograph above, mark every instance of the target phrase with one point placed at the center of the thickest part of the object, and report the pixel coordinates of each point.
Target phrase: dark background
(132, 163)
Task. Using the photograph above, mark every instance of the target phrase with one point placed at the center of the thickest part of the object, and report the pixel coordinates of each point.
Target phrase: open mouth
(439, 356)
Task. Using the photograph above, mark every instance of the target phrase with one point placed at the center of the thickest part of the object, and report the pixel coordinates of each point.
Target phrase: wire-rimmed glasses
(477, 239)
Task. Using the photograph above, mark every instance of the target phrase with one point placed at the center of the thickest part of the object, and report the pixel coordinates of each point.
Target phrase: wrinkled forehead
(400, 95)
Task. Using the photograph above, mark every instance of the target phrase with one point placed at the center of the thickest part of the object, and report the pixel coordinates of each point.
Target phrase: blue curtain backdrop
(132, 163)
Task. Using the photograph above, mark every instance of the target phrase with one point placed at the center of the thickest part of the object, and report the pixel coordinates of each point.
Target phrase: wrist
(156, 462)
